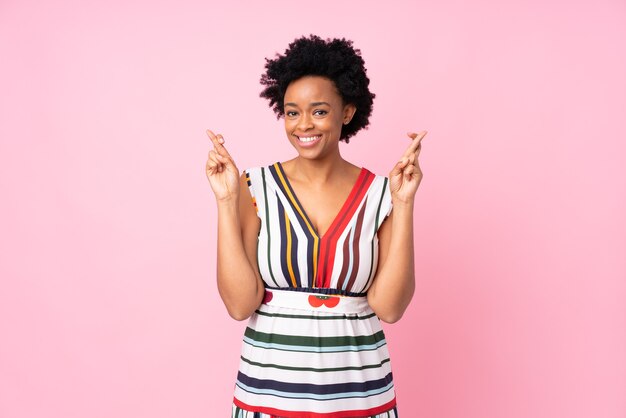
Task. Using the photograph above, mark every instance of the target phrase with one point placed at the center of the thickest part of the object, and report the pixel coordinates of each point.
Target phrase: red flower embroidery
(268, 296)
(317, 301)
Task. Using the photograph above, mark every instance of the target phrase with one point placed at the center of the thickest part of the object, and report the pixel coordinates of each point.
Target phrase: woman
(309, 249)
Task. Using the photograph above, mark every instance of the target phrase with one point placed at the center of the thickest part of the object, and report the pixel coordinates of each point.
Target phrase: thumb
(228, 162)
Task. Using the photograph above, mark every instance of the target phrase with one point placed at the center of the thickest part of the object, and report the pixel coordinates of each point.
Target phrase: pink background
(108, 300)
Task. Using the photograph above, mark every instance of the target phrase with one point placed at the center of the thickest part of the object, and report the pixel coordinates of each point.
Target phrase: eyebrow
(312, 104)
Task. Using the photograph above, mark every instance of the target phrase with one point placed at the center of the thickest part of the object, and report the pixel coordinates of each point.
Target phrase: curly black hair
(334, 59)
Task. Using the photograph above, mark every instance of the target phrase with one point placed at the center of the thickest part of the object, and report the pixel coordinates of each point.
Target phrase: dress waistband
(315, 301)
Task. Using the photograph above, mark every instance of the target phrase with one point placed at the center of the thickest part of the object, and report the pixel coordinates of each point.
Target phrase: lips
(308, 141)
(308, 138)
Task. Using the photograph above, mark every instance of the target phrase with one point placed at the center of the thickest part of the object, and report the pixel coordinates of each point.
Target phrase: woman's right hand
(221, 170)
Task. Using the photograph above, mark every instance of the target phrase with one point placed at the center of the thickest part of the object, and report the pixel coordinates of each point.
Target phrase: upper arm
(250, 224)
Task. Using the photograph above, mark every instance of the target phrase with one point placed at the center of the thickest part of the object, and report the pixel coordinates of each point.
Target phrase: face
(314, 115)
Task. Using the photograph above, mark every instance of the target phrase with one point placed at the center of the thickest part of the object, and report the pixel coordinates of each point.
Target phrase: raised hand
(406, 176)
(221, 170)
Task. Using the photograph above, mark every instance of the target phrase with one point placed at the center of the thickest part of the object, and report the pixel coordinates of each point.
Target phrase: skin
(322, 180)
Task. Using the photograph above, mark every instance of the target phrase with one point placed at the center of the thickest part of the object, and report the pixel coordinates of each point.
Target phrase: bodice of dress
(290, 252)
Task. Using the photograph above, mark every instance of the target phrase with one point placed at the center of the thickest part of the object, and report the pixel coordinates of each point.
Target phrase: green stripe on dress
(307, 341)
(312, 369)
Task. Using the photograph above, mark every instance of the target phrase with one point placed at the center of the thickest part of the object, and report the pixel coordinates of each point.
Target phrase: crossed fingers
(413, 151)
(218, 156)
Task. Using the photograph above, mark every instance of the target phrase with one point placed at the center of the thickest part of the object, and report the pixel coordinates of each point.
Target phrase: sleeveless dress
(314, 347)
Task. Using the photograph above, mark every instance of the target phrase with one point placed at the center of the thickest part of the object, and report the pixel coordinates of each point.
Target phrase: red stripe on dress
(328, 243)
(352, 258)
(305, 414)
(355, 248)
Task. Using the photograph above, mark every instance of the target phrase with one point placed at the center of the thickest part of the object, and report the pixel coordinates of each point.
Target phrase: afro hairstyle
(334, 59)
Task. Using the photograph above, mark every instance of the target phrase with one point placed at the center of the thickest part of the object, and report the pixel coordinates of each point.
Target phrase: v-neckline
(337, 215)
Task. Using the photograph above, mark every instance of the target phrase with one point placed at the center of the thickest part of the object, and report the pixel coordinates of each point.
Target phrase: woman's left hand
(406, 176)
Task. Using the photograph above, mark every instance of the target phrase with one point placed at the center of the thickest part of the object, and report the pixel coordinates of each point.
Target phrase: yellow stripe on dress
(288, 255)
(311, 229)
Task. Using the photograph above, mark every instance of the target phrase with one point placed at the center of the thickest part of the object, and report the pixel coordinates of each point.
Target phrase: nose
(305, 122)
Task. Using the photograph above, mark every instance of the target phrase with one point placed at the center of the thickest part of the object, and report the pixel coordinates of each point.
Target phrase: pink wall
(108, 301)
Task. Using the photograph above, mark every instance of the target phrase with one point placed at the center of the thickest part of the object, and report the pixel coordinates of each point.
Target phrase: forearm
(394, 284)
(237, 282)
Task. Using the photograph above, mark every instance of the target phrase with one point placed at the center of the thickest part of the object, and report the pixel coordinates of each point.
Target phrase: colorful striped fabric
(314, 347)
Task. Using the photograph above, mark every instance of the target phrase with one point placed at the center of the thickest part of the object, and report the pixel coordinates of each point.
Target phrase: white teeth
(308, 138)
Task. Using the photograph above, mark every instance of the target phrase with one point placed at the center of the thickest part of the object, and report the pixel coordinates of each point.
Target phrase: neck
(319, 171)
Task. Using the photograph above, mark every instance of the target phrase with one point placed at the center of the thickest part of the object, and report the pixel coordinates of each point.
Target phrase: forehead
(312, 88)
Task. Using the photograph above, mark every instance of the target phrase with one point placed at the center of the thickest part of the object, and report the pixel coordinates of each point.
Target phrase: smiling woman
(309, 249)
(314, 113)
(335, 60)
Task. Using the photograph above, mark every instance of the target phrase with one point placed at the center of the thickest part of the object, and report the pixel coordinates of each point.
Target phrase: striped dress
(314, 347)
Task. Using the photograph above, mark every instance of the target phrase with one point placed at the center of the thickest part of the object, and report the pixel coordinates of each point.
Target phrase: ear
(348, 113)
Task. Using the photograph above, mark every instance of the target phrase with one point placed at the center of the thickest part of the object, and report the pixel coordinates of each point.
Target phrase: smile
(308, 138)
(308, 141)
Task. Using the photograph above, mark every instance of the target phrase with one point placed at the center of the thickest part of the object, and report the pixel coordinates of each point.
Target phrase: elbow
(239, 314)
(241, 308)
(390, 317)
(239, 317)
(390, 310)
(387, 315)
(241, 311)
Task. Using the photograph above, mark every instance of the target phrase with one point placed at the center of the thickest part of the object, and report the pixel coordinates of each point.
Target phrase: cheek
(328, 124)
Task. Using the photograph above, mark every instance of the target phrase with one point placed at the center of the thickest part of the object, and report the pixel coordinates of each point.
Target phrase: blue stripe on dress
(312, 391)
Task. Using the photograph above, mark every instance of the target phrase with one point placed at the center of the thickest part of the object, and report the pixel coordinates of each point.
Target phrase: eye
(290, 113)
(320, 112)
